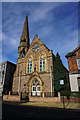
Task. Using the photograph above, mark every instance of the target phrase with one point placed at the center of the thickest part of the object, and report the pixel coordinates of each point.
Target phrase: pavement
(35, 112)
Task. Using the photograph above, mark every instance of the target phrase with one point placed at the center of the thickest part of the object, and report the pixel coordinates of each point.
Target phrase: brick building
(74, 68)
(34, 70)
(7, 70)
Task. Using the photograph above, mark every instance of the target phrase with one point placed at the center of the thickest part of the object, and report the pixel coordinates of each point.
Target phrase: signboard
(61, 82)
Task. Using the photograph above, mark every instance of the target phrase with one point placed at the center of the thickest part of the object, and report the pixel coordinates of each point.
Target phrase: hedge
(69, 93)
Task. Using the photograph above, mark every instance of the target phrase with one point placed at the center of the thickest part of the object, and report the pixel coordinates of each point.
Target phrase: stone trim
(74, 73)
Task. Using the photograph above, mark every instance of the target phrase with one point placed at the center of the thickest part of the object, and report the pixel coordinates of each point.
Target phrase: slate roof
(71, 53)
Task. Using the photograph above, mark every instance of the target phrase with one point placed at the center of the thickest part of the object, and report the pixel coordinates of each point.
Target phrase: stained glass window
(29, 66)
(30, 59)
(42, 63)
(42, 56)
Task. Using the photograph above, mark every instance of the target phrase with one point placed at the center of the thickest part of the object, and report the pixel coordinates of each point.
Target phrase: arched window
(42, 63)
(20, 54)
(23, 52)
(29, 66)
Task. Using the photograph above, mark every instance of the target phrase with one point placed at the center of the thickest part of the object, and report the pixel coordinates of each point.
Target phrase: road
(15, 112)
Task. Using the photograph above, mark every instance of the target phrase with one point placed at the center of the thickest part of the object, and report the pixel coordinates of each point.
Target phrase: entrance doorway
(36, 88)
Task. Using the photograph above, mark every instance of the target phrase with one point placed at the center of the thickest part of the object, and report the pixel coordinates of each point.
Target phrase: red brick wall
(44, 99)
(72, 62)
(11, 98)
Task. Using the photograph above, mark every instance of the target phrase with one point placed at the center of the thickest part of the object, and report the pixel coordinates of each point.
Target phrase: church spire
(24, 40)
(25, 33)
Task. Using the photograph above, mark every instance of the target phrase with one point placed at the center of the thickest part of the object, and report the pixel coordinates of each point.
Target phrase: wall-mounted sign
(61, 82)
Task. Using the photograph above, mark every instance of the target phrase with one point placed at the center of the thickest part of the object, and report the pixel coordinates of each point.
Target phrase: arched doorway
(36, 87)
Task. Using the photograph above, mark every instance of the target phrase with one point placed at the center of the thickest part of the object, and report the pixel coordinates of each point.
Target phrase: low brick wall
(45, 99)
(74, 100)
(11, 98)
(71, 99)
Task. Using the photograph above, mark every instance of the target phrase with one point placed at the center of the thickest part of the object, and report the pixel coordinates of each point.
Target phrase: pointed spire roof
(25, 33)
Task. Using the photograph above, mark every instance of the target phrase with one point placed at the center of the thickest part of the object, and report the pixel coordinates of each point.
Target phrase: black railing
(14, 93)
(51, 94)
(44, 94)
(11, 93)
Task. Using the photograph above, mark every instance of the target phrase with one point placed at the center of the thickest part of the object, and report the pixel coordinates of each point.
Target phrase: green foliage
(69, 93)
(65, 93)
(59, 73)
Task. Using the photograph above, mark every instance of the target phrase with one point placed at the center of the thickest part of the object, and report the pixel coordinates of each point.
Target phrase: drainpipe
(19, 82)
(51, 81)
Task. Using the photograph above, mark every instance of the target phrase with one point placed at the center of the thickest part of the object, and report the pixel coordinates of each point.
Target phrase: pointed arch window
(29, 66)
(23, 52)
(42, 63)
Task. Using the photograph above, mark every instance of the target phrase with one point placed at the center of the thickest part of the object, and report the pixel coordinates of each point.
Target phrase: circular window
(42, 56)
(30, 59)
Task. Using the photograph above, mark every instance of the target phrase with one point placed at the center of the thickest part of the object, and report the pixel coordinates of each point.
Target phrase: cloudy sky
(55, 23)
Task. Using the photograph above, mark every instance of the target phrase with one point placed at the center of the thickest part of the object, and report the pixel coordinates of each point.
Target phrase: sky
(55, 23)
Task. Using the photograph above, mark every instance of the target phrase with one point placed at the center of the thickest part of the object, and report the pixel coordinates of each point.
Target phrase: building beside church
(74, 68)
(7, 70)
(34, 70)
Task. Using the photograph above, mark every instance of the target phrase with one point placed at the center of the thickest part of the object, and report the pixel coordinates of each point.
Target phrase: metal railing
(44, 94)
(14, 93)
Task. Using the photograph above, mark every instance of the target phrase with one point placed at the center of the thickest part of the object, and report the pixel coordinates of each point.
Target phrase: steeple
(25, 33)
(24, 40)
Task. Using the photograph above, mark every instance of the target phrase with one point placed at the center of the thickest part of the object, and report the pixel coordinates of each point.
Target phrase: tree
(59, 73)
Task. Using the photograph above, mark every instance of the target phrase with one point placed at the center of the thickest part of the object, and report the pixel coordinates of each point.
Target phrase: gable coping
(71, 53)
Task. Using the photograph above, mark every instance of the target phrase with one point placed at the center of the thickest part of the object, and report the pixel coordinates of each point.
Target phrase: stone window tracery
(42, 63)
(29, 66)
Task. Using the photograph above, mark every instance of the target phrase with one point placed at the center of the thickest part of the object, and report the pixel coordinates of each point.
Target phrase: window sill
(36, 71)
(28, 73)
(42, 72)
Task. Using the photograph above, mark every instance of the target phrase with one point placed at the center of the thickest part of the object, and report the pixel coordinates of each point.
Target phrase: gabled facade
(34, 71)
(74, 68)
